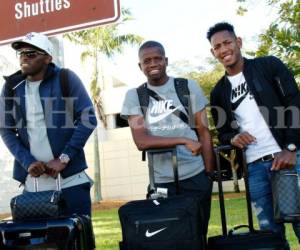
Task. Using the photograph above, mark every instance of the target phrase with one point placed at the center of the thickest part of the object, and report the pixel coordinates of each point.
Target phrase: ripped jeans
(261, 196)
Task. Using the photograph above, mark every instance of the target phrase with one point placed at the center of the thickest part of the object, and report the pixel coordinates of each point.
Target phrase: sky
(181, 27)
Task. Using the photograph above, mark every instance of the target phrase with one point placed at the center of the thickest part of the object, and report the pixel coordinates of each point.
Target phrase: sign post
(51, 17)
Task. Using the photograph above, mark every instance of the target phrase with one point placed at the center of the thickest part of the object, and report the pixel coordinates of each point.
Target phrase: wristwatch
(64, 158)
(291, 147)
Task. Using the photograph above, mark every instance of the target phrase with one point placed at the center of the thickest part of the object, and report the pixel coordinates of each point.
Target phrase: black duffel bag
(163, 223)
(171, 223)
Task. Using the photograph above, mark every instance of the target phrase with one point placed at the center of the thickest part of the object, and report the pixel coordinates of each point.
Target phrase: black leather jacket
(274, 88)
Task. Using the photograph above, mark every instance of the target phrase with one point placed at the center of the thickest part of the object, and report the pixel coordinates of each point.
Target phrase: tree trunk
(97, 172)
(97, 169)
(236, 187)
(231, 159)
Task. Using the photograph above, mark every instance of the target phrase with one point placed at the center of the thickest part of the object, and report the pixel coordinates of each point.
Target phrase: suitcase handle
(174, 165)
(217, 151)
(233, 230)
(223, 147)
(220, 187)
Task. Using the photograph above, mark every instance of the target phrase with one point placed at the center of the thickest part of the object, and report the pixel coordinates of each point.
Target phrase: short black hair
(219, 27)
(152, 44)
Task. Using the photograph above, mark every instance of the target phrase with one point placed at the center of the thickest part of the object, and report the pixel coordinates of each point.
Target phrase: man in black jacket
(255, 106)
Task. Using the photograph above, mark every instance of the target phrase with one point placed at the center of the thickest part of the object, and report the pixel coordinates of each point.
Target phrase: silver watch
(64, 158)
(291, 147)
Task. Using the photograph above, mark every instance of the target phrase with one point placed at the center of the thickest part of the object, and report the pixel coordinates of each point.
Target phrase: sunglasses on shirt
(30, 54)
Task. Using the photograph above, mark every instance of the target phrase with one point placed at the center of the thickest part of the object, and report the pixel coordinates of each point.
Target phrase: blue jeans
(261, 196)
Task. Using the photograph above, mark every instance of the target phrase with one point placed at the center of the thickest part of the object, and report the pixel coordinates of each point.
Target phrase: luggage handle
(233, 230)
(174, 165)
(248, 198)
(58, 183)
(220, 188)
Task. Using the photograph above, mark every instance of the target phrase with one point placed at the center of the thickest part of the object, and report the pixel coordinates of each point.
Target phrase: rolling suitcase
(162, 223)
(252, 239)
(72, 233)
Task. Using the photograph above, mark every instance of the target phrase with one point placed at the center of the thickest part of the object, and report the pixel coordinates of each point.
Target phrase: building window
(121, 122)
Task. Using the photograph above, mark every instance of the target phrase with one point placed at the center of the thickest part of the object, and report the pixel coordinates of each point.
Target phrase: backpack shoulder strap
(8, 90)
(64, 82)
(144, 102)
(10, 86)
(65, 89)
(143, 97)
(183, 92)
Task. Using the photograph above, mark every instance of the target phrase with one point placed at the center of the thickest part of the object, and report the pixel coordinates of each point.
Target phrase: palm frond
(104, 40)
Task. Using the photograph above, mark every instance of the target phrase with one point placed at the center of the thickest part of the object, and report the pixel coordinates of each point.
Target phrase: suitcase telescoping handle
(218, 150)
(220, 186)
(248, 198)
(173, 151)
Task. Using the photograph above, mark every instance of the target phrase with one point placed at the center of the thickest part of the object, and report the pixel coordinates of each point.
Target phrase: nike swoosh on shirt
(148, 234)
(153, 119)
(235, 104)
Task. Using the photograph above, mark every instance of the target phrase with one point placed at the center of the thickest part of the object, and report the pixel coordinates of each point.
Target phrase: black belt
(269, 157)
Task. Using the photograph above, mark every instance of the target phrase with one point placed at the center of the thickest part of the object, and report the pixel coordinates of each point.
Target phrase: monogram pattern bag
(37, 205)
(286, 195)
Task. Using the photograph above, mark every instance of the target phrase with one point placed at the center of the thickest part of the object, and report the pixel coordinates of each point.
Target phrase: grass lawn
(108, 232)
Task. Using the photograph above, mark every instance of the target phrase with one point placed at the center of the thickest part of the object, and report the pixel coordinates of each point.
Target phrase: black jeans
(77, 199)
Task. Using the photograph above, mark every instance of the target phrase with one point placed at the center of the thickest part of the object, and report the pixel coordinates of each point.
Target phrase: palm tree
(231, 158)
(100, 41)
